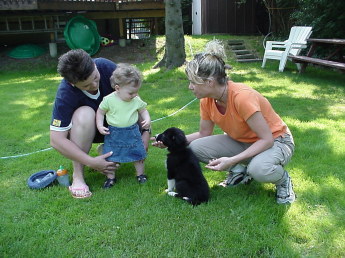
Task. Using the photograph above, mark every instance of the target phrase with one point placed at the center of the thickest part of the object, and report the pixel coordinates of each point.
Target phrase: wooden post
(52, 37)
(156, 25)
(121, 27)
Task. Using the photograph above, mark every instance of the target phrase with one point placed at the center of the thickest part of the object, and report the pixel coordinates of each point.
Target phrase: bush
(327, 17)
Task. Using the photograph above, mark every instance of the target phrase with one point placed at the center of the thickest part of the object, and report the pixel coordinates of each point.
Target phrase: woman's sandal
(142, 179)
(110, 182)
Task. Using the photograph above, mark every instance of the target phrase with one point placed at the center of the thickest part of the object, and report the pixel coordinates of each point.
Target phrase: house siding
(226, 16)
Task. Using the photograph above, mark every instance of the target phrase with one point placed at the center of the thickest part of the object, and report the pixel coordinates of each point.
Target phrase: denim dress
(125, 143)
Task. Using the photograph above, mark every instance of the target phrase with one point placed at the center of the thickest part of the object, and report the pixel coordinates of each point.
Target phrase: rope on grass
(26, 154)
(50, 148)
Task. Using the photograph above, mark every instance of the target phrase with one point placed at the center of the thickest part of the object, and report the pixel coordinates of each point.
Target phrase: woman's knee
(264, 171)
(200, 150)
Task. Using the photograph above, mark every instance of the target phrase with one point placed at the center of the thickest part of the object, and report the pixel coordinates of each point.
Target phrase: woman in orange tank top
(256, 143)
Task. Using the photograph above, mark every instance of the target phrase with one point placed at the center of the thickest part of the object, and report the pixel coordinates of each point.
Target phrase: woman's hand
(158, 144)
(102, 165)
(221, 164)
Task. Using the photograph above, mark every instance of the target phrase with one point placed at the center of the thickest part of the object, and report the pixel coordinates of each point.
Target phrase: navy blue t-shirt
(68, 98)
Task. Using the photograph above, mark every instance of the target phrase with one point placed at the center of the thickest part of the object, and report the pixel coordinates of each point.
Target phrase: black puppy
(184, 171)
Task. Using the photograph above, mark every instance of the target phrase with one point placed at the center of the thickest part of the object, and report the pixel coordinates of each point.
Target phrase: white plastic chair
(292, 46)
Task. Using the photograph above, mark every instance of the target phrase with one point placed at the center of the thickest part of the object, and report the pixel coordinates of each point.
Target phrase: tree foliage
(327, 17)
(280, 12)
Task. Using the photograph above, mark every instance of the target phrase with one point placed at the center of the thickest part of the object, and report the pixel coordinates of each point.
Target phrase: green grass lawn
(131, 220)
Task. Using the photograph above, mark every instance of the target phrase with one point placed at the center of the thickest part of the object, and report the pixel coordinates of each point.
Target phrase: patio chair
(292, 46)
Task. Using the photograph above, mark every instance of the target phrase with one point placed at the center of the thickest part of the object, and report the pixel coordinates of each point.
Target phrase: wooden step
(248, 56)
(235, 42)
(249, 60)
(241, 52)
(238, 47)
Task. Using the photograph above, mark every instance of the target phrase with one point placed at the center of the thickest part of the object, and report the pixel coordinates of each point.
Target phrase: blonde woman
(256, 143)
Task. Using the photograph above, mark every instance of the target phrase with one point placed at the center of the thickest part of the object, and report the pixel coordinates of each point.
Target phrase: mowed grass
(131, 220)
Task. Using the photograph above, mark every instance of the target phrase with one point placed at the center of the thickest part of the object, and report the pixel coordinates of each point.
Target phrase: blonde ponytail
(208, 65)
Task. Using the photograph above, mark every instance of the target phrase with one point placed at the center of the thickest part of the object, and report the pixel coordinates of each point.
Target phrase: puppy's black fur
(183, 168)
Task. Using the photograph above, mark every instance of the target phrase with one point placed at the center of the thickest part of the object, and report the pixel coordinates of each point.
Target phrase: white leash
(26, 154)
(50, 148)
(190, 102)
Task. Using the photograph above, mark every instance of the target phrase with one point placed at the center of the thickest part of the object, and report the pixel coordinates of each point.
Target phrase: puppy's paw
(186, 199)
(173, 194)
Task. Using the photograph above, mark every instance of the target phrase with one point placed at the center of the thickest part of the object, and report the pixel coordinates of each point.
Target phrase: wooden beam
(77, 6)
(141, 6)
(121, 28)
(15, 5)
(123, 14)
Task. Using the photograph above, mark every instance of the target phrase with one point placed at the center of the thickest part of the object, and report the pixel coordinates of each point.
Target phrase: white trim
(91, 96)
(196, 17)
(60, 129)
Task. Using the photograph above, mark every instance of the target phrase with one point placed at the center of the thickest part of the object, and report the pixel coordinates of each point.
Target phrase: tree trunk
(175, 54)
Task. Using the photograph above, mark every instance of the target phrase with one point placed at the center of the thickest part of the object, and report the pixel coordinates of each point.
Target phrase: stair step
(247, 56)
(249, 60)
(241, 52)
(235, 42)
(238, 47)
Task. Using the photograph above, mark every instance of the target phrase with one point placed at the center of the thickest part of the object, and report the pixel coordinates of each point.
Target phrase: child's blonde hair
(208, 64)
(125, 74)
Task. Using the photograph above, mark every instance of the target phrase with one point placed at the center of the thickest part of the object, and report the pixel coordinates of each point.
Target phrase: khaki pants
(266, 167)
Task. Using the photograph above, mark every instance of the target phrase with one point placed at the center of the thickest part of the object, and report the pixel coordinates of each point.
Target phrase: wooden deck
(49, 16)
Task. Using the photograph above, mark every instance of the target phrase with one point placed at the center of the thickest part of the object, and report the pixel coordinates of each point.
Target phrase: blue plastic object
(41, 179)
(82, 33)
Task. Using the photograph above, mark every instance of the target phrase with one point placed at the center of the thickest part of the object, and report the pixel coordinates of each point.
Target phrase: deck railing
(24, 17)
(34, 2)
(60, 4)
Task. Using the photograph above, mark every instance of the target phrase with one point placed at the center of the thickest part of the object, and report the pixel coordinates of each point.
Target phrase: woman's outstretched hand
(158, 144)
(221, 164)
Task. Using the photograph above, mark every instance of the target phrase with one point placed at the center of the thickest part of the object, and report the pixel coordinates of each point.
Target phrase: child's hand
(103, 130)
(145, 124)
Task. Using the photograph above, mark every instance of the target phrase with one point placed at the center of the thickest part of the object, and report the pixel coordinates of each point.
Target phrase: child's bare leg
(112, 175)
(139, 167)
(111, 180)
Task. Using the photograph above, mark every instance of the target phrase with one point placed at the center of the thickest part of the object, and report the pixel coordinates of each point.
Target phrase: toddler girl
(122, 109)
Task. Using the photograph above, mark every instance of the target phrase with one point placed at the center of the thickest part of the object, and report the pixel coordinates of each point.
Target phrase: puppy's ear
(180, 139)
